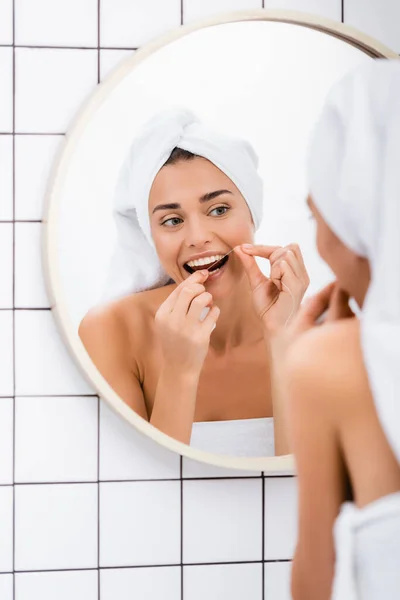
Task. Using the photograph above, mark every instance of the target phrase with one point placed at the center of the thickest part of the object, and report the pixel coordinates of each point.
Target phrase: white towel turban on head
(354, 179)
(135, 265)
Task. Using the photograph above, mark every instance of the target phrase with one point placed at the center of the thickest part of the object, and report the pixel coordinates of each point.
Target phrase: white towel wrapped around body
(135, 265)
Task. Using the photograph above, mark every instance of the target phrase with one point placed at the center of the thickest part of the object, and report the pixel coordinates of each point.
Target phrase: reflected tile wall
(87, 505)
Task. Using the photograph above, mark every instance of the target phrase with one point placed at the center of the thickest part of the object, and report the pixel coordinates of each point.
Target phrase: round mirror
(261, 78)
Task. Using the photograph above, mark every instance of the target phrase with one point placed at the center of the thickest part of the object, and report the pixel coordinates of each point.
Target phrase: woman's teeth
(205, 261)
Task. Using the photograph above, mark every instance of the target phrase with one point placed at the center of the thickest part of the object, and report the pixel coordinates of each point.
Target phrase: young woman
(343, 395)
(191, 197)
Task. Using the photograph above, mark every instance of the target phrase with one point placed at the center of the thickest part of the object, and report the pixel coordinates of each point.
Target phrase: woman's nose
(198, 236)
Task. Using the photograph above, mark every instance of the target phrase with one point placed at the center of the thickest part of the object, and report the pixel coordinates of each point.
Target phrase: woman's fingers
(315, 306)
(253, 271)
(210, 321)
(339, 305)
(198, 304)
(258, 250)
(197, 278)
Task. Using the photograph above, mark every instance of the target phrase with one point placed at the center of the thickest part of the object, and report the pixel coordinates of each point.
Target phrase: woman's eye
(173, 222)
(224, 209)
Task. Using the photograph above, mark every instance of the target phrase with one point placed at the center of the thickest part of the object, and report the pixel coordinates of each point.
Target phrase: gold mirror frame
(269, 465)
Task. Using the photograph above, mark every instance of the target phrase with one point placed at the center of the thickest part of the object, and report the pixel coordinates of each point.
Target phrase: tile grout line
(13, 294)
(98, 397)
(181, 515)
(33, 47)
(263, 536)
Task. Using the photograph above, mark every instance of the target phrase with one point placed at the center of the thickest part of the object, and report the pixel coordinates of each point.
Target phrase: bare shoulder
(124, 320)
(327, 362)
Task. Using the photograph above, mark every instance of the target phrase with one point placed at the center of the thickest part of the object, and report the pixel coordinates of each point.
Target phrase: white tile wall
(6, 440)
(56, 526)
(131, 24)
(222, 520)
(280, 506)
(71, 585)
(6, 177)
(6, 353)
(109, 59)
(6, 87)
(66, 524)
(34, 156)
(162, 583)
(29, 282)
(66, 23)
(223, 581)
(56, 439)
(277, 580)
(206, 8)
(6, 587)
(6, 27)
(6, 265)
(42, 363)
(50, 85)
(6, 528)
(136, 528)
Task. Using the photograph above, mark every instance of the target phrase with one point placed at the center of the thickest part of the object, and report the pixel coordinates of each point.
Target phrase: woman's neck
(238, 322)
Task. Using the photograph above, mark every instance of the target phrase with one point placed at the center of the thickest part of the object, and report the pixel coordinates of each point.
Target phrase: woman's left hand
(276, 298)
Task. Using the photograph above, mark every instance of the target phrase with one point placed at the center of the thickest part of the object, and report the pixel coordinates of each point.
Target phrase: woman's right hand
(184, 338)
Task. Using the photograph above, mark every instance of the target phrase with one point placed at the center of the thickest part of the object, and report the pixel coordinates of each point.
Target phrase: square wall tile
(6, 528)
(127, 454)
(51, 85)
(34, 157)
(43, 364)
(277, 580)
(128, 24)
(6, 353)
(6, 22)
(66, 22)
(194, 10)
(6, 587)
(6, 178)
(71, 585)
(55, 439)
(6, 440)
(55, 527)
(30, 289)
(222, 520)
(214, 582)
(378, 18)
(331, 9)
(109, 59)
(161, 583)
(6, 87)
(280, 518)
(139, 523)
(193, 468)
(6, 265)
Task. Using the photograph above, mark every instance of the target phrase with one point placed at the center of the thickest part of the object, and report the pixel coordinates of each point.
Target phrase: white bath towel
(135, 265)
(354, 177)
(367, 542)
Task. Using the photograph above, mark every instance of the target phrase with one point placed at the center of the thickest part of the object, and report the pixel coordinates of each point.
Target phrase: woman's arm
(276, 347)
(104, 337)
(314, 384)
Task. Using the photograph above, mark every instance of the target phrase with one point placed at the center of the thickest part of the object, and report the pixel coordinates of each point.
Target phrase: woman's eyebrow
(212, 195)
(205, 198)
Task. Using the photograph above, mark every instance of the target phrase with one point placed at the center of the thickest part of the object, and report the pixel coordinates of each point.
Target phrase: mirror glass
(264, 82)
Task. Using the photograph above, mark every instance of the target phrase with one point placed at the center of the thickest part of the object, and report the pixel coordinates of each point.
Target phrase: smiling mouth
(211, 267)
